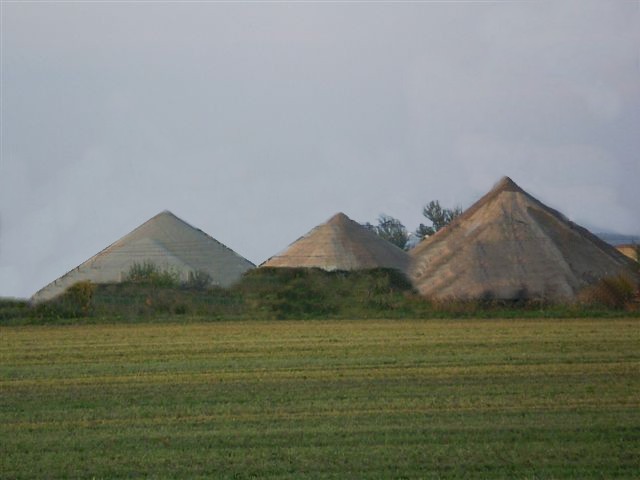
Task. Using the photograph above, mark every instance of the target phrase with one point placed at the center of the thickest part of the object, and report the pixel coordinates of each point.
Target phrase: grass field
(322, 399)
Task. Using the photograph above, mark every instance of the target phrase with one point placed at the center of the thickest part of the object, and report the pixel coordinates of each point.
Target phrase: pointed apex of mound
(161, 221)
(340, 244)
(506, 185)
(167, 214)
(338, 219)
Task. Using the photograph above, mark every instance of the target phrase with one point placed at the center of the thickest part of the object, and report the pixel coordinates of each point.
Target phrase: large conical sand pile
(164, 240)
(340, 244)
(509, 245)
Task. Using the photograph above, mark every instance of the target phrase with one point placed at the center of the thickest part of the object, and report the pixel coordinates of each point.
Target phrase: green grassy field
(322, 399)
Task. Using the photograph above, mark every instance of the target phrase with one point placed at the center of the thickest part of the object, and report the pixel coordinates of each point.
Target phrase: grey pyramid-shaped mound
(341, 244)
(164, 240)
(509, 245)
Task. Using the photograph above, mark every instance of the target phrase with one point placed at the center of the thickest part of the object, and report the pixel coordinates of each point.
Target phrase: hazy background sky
(257, 121)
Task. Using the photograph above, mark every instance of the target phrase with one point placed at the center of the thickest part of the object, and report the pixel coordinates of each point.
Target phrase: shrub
(181, 309)
(79, 296)
(316, 293)
(612, 292)
(198, 280)
(149, 272)
(75, 302)
(13, 308)
(142, 272)
(301, 299)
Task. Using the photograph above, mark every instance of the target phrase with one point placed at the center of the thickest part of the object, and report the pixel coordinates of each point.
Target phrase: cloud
(590, 177)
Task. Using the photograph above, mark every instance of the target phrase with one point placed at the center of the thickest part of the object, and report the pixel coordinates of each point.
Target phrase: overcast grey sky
(257, 121)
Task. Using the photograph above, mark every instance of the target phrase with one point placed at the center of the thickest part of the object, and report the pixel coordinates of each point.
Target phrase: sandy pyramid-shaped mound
(509, 245)
(341, 244)
(169, 243)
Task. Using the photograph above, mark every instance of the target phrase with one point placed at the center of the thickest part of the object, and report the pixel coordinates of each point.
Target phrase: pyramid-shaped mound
(166, 241)
(509, 245)
(340, 244)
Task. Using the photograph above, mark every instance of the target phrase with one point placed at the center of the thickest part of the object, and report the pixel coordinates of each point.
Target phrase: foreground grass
(323, 399)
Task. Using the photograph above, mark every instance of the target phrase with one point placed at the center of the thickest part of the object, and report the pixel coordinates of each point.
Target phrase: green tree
(391, 229)
(439, 217)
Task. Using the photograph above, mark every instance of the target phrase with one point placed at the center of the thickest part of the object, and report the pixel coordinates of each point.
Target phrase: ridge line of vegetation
(152, 294)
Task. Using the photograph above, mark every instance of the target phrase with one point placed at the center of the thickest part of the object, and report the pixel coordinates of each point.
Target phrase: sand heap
(341, 244)
(169, 243)
(509, 245)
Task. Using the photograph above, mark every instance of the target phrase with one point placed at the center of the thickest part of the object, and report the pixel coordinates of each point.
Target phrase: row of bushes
(149, 273)
(262, 293)
(268, 293)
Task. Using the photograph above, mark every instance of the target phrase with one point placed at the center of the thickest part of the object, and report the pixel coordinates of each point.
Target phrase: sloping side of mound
(509, 245)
